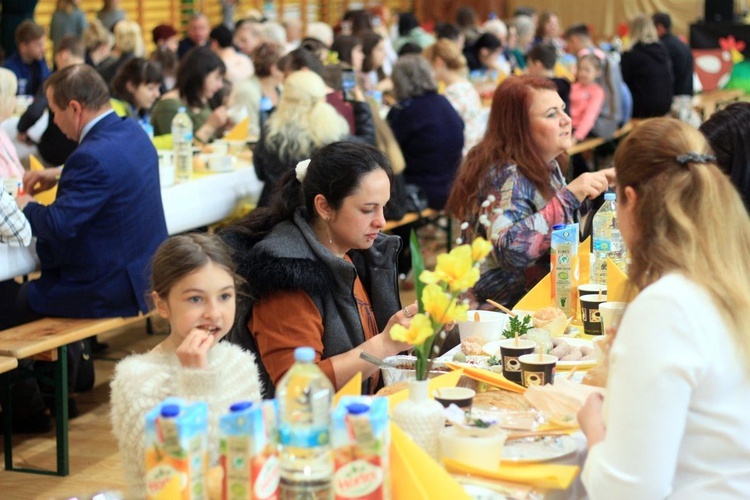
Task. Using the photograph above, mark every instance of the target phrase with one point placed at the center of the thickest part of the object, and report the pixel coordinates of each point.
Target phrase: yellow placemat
(351, 388)
(447, 380)
(45, 197)
(549, 476)
(415, 475)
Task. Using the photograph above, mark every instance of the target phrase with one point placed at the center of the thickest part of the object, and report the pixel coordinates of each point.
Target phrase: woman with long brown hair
(510, 189)
(673, 421)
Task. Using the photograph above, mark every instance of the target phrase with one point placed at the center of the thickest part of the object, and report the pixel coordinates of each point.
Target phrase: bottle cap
(242, 405)
(357, 408)
(610, 196)
(181, 109)
(170, 411)
(306, 354)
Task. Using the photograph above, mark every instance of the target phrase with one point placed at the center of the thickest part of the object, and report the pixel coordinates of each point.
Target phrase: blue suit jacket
(95, 242)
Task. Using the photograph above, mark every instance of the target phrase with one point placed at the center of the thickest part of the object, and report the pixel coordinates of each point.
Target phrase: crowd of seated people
(342, 117)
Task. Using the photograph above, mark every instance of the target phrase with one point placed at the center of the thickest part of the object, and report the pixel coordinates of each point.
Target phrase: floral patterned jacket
(518, 221)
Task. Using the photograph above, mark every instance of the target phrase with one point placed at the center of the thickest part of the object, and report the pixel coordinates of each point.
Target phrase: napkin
(239, 132)
(488, 377)
(45, 197)
(617, 281)
(447, 380)
(558, 477)
(414, 474)
(560, 401)
(538, 297)
(351, 388)
(584, 261)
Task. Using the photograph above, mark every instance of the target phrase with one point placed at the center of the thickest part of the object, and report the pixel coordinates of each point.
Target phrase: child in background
(586, 96)
(194, 289)
(541, 60)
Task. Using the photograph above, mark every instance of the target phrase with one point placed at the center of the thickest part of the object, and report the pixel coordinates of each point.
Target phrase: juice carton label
(176, 452)
(361, 450)
(248, 453)
(564, 268)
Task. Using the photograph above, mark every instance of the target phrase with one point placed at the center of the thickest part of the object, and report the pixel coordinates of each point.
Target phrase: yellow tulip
(419, 330)
(441, 307)
(456, 269)
(479, 249)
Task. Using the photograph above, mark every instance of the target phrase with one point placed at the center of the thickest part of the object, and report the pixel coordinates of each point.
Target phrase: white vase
(420, 417)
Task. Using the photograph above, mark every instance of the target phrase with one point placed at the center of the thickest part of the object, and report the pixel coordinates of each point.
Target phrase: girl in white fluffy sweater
(194, 289)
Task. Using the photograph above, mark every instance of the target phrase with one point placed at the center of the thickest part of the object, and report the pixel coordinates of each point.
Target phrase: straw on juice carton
(176, 450)
(361, 442)
(249, 454)
(564, 261)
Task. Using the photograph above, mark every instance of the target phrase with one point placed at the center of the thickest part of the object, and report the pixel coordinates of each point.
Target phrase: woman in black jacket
(647, 70)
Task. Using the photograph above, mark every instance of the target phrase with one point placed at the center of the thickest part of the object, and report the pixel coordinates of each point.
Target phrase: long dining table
(204, 200)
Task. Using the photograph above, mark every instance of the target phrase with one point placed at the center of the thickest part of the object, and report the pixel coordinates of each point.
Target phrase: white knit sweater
(142, 381)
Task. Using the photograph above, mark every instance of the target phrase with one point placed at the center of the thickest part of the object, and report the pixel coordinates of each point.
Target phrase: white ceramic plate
(538, 449)
(477, 492)
(493, 348)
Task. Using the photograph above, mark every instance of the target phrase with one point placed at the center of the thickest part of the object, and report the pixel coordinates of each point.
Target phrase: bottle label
(602, 245)
(358, 479)
(309, 437)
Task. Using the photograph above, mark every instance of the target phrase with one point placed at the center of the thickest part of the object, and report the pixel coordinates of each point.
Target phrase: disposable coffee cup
(590, 289)
(459, 396)
(611, 314)
(590, 316)
(536, 370)
(510, 352)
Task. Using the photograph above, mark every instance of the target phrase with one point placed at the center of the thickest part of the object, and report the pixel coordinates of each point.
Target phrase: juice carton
(564, 274)
(249, 454)
(361, 445)
(176, 450)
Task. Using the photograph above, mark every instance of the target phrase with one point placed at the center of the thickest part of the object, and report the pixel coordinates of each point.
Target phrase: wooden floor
(94, 459)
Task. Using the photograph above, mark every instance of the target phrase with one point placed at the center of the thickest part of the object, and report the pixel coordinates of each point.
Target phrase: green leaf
(417, 264)
(517, 325)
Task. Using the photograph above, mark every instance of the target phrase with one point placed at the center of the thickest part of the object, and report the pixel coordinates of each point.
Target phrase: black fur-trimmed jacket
(290, 258)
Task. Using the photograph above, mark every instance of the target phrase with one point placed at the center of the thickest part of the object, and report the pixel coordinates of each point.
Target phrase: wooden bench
(39, 338)
(427, 216)
(707, 103)
(7, 364)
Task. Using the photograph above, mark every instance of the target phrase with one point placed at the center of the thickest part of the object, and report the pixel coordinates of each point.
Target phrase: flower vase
(420, 417)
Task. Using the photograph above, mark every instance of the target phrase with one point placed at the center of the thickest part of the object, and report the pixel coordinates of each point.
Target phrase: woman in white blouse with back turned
(674, 421)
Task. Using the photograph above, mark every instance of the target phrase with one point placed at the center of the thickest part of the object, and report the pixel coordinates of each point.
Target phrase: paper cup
(536, 370)
(219, 147)
(459, 396)
(589, 289)
(11, 185)
(592, 324)
(611, 314)
(489, 327)
(510, 352)
(482, 449)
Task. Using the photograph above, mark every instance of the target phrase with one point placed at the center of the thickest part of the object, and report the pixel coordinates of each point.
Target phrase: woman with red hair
(511, 191)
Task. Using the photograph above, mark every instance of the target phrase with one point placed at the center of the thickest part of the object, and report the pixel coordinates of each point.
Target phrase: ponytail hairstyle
(689, 218)
(335, 171)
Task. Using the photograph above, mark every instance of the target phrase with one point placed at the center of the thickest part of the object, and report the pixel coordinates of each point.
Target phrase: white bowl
(489, 327)
(219, 163)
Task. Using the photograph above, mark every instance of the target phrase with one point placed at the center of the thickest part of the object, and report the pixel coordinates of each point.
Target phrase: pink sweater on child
(585, 105)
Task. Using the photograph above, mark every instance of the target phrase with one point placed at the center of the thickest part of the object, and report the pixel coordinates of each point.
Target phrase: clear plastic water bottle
(607, 240)
(305, 397)
(182, 143)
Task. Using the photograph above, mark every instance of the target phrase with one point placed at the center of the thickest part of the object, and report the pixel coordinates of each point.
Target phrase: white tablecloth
(187, 206)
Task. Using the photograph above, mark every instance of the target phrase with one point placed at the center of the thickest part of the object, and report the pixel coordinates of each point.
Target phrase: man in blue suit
(96, 240)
